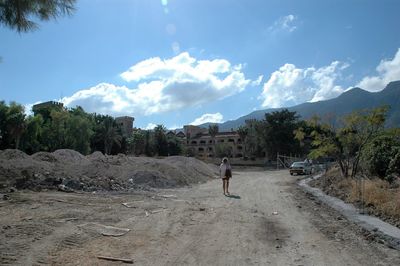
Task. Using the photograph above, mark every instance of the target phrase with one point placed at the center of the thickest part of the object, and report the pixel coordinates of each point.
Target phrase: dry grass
(378, 196)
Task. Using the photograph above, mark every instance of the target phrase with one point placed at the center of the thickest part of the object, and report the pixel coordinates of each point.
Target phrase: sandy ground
(268, 220)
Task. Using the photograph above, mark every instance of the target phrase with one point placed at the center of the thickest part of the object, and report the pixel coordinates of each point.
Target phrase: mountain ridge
(347, 102)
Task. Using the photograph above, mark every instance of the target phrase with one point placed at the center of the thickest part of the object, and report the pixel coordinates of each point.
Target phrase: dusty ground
(267, 221)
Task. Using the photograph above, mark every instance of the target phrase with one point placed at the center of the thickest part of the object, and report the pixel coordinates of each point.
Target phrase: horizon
(163, 63)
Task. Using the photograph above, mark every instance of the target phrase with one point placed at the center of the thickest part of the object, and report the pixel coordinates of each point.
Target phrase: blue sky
(178, 62)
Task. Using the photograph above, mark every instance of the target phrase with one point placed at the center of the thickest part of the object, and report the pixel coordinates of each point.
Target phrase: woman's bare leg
(223, 185)
(227, 186)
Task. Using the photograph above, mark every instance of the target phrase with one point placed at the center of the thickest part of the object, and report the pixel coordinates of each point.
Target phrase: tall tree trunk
(17, 141)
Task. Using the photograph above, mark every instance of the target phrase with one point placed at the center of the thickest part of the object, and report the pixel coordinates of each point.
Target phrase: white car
(301, 168)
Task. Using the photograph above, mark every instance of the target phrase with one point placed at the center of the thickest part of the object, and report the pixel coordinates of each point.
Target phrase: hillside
(351, 100)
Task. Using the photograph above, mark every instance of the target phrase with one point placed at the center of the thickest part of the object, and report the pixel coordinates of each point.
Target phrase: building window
(231, 140)
(194, 142)
(201, 149)
(221, 140)
(202, 142)
(239, 148)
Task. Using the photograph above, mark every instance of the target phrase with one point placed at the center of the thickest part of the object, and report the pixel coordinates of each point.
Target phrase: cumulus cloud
(163, 85)
(150, 126)
(290, 85)
(210, 118)
(388, 70)
(285, 23)
(258, 81)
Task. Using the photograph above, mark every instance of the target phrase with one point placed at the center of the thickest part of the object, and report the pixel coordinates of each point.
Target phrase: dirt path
(188, 226)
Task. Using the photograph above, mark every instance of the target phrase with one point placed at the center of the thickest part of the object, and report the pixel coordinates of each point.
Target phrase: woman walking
(225, 171)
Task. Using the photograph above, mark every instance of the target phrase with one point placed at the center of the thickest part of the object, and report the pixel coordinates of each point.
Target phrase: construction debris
(105, 230)
(115, 259)
(131, 204)
(69, 171)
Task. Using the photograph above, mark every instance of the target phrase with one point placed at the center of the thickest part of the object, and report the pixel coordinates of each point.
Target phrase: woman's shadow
(233, 196)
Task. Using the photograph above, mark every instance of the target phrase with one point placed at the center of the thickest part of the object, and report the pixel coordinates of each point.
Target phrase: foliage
(223, 150)
(213, 130)
(16, 124)
(276, 132)
(347, 143)
(136, 142)
(174, 145)
(18, 14)
(381, 155)
(160, 140)
(243, 132)
(109, 133)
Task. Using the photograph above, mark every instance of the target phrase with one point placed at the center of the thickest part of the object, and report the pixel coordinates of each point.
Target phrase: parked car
(300, 168)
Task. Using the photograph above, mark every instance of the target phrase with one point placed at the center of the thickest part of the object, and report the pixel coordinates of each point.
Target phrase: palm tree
(243, 131)
(213, 131)
(16, 14)
(110, 135)
(16, 123)
(160, 140)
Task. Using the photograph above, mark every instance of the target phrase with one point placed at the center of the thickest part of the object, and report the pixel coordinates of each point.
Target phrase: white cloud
(150, 126)
(258, 81)
(163, 85)
(388, 70)
(285, 23)
(290, 85)
(211, 118)
(175, 47)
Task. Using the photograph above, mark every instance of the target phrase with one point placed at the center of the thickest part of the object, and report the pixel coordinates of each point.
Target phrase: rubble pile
(69, 170)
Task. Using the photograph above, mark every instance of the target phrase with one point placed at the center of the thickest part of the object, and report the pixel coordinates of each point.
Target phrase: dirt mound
(70, 170)
(44, 156)
(9, 154)
(69, 156)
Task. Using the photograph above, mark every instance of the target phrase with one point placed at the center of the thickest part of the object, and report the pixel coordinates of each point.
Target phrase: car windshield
(298, 164)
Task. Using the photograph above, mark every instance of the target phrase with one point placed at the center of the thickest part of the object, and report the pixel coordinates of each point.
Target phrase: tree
(148, 149)
(160, 140)
(31, 137)
(223, 150)
(78, 133)
(108, 134)
(15, 122)
(136, 142)
(347, 143)
(213, 130)
(174, 145)
(379, 155)
(252, 139)
(276, 132)
(3, 125)
(18, 14)
(243, 131)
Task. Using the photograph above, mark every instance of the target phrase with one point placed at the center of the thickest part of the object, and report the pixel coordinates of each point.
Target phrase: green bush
(382, 155)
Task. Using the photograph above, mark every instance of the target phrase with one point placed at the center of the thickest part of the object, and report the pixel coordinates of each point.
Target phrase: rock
(5, 196)
(64, 188)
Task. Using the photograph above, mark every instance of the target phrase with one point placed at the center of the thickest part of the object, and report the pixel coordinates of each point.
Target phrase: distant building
(126, 124)
(201, 144)
(45, 108)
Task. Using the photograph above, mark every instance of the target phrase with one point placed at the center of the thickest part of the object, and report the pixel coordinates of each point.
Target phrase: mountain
(347, 102)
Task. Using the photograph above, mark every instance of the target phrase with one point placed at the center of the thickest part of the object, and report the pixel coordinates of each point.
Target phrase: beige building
(201, 144)
(126, 124)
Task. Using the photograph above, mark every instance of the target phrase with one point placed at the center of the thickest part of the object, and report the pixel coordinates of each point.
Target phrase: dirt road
(266, 221)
